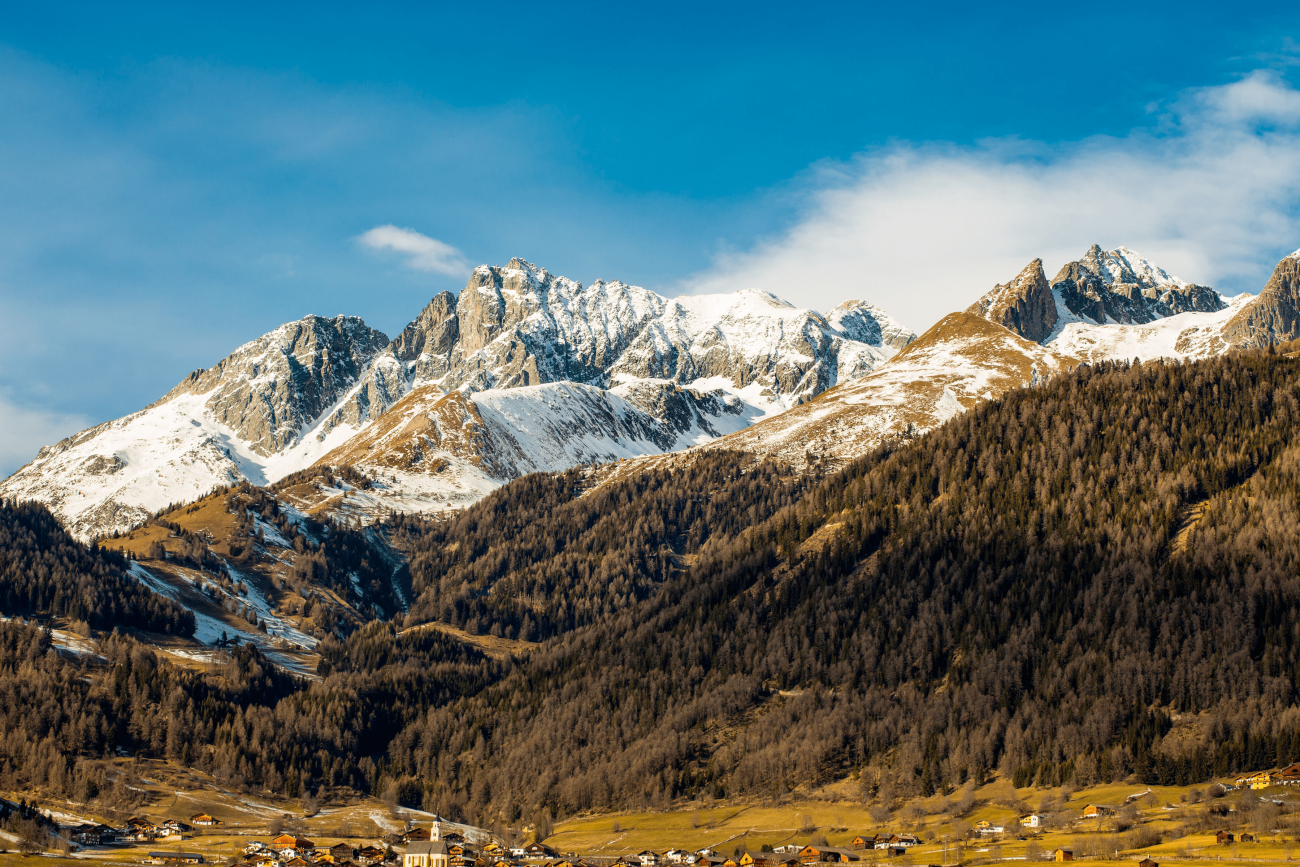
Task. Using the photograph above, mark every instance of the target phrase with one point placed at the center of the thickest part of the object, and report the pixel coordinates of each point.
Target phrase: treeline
(44, 571)
(537, 557)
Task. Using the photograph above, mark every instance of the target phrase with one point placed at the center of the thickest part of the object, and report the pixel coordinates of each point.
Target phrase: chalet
(649, 859)
(253, 847)
(984, 826)
(1063, 855)
(176, 826)
(453, 837)
(1033, 820)
(1246, 837)
(709, 853)
(690, 857)
(827, 855)
(1289, 776)
(1097, 811)
(676, 856)
(204, 819)
(539, 850)
(426, 853)
(341, 852)
(86, 834)
(731, 862)
(373, 854)
(1147, 862)
(1223, 838)
(766, 859)
(493, 848)
(906, 840)
(1261, 780)
(289, 841)
(417, 835)
(296, 861)
(174, 857)
(264, 859)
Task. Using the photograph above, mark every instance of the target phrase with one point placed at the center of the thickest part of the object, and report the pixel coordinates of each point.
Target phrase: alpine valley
(557, 551)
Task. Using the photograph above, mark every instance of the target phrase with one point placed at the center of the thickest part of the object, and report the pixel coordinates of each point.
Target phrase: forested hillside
(1080, 581)
(1006, 592)
(537, 558)
(43, 570)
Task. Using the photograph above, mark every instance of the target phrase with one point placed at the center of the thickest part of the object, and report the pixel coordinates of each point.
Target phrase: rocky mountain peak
(1122, 286)
(1024, 305)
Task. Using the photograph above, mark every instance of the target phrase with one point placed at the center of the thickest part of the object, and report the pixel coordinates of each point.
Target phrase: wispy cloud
(23, 430)
(1210, 190)
(422, 252)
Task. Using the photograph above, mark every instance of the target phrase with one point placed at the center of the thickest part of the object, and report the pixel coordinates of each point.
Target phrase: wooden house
(827, 855)
(1148, 862)
(1063, 855)
(205, 820)
(342, 852)
(1097, 811)
(539, 850)
(1246, 837)
(373, 854)
(417, 835)
(1223, 838)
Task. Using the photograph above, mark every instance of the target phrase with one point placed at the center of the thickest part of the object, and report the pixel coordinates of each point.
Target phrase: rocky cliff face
(1274, 315)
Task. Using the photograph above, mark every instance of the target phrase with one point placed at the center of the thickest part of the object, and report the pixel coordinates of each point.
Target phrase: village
(1248, 819)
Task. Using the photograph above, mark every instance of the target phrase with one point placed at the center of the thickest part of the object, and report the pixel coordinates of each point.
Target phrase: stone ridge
(518, 325)
(1025, 305)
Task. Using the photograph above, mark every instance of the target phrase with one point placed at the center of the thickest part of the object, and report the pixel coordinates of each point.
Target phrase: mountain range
(526, 371)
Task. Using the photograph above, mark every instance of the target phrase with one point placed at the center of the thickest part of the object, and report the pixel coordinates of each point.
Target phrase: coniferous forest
(1093, 578)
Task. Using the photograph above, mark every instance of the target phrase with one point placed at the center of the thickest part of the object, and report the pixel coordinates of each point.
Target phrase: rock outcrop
(1274, 315)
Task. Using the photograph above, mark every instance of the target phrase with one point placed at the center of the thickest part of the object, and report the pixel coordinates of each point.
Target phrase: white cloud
(23, 430)
(1209, 192)
(422, 252)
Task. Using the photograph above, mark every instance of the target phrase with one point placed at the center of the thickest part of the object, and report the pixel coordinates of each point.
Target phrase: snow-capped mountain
(1107, 305)
(538, 371)
(519, 325)
(960, 361)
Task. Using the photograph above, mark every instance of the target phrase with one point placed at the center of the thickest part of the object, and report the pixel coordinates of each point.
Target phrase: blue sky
(177, 179)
